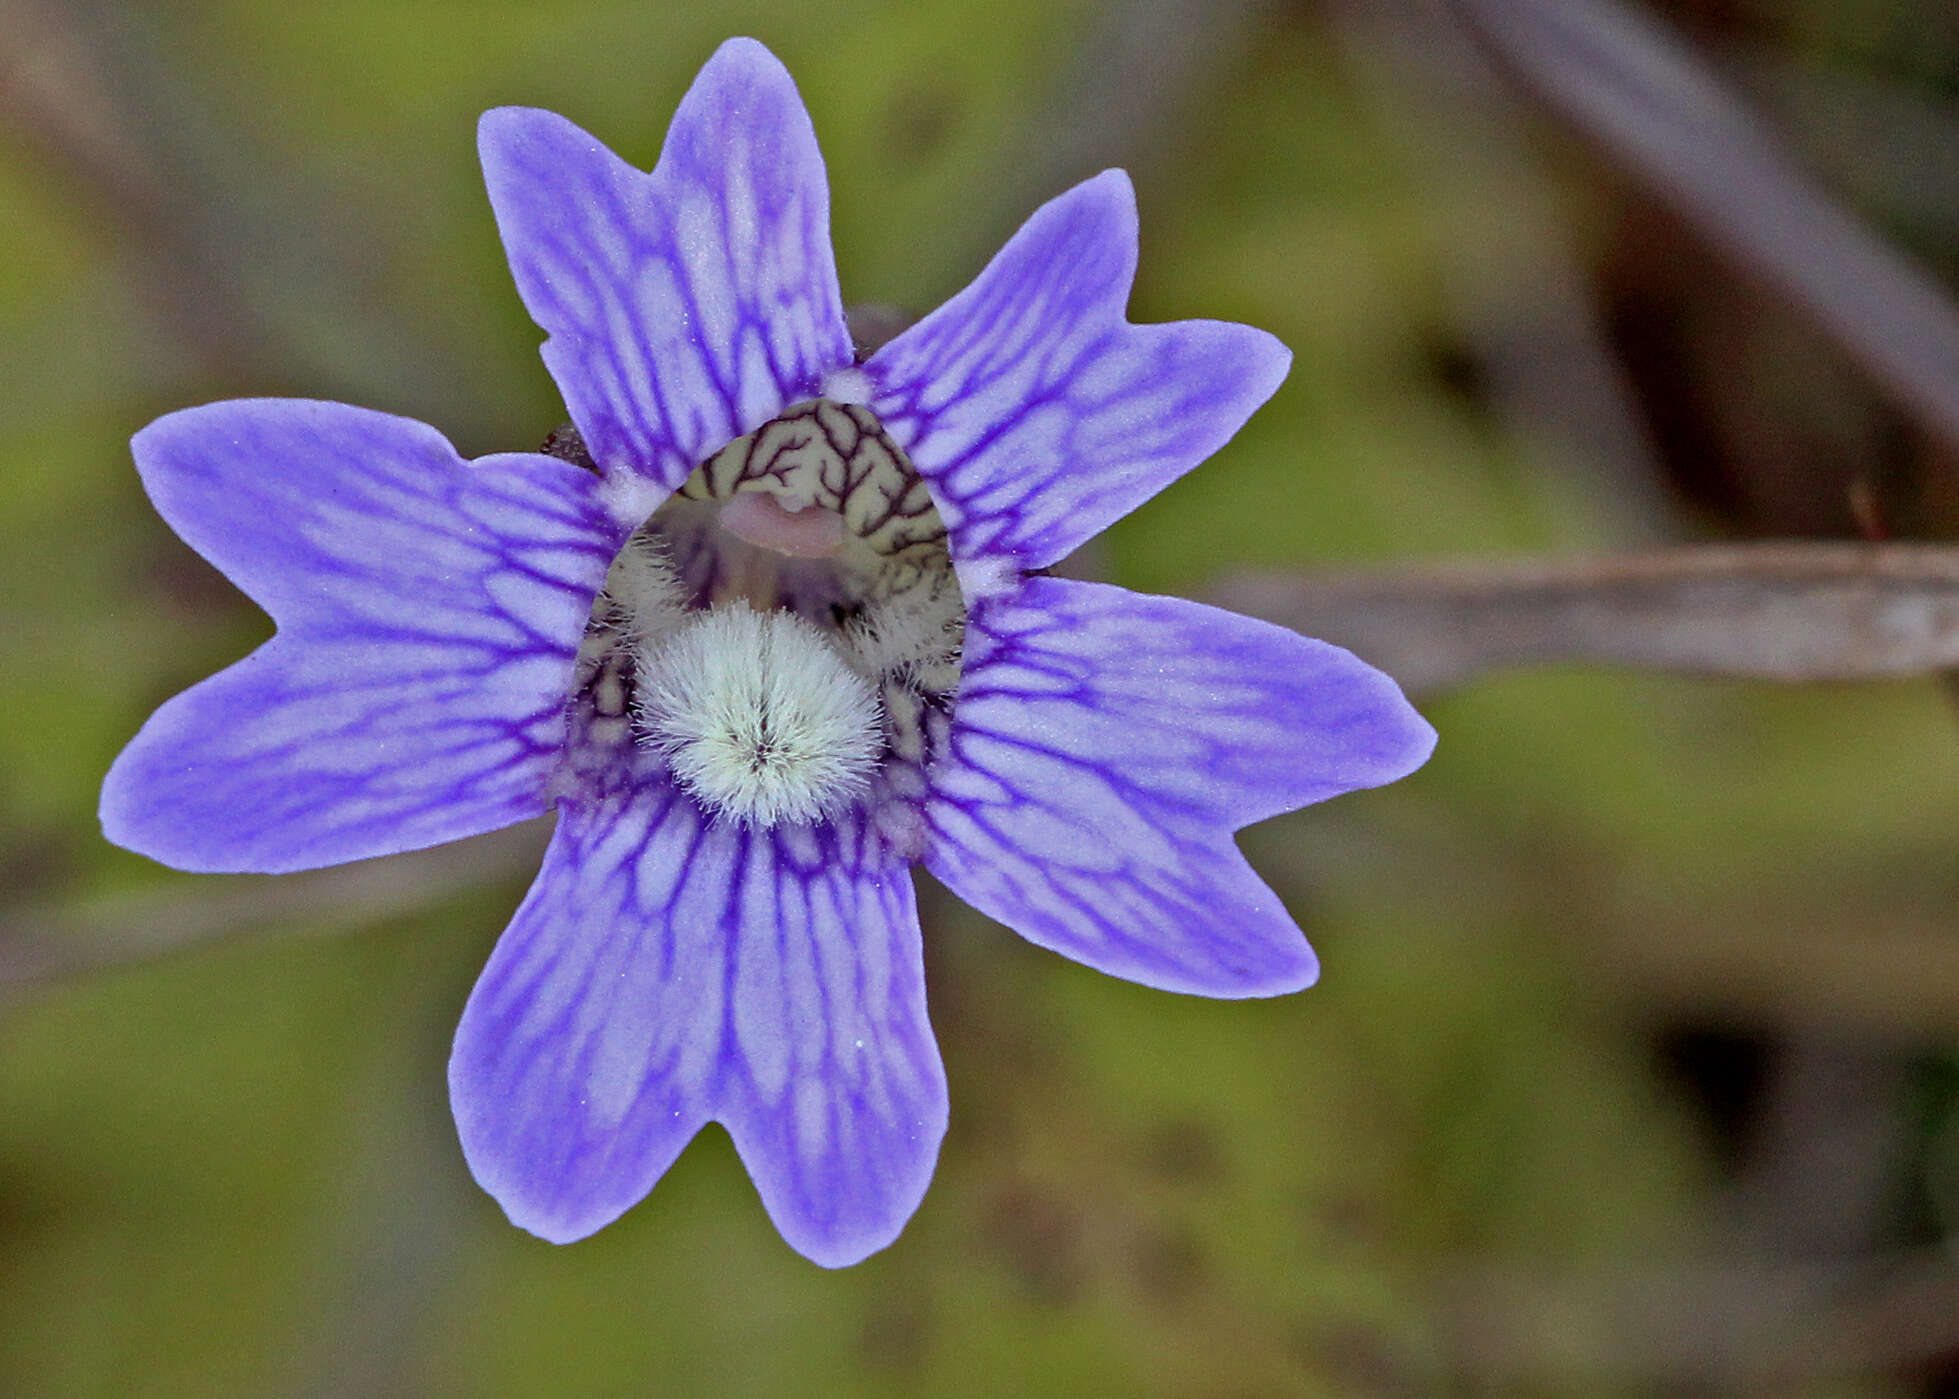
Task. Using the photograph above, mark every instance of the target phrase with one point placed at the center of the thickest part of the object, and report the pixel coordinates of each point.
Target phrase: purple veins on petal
(665, 972)
(428, 610)
(1037, 412)
(687, 306)
(1106, 744)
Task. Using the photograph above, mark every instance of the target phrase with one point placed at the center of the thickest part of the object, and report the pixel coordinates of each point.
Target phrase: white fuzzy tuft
(643, 586)
(909, 634)
(761, 720)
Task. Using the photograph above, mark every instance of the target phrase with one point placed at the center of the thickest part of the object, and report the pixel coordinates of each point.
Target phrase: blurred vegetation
(1631, 1070)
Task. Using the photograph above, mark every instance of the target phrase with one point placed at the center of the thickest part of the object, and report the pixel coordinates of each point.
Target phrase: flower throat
(786, 628)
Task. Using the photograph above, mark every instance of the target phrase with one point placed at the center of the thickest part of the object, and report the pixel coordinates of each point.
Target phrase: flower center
(758, 717)
(785, 631)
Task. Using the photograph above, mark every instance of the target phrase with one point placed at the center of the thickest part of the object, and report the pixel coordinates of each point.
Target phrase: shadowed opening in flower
(786, 629)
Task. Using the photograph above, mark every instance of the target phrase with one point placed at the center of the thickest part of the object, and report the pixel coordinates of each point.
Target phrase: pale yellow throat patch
(781, 629)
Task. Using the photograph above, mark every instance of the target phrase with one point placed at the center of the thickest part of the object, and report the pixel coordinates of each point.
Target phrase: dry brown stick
(1663, 116)
(1511, 272)
(1787, 611)
(46, 945)
(1122, 95)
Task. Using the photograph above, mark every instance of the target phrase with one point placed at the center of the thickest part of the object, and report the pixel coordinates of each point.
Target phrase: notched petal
(586, 1055)
(687, 306)
(429, 612)
(664, 973)
(839, 1121)
(1037, 412)
(1106, 744)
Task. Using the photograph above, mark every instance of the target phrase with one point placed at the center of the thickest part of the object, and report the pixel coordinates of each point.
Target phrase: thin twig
(1123, 96)
(1668, 119)
(47, 945)
(1516, 289)
(1787, 611)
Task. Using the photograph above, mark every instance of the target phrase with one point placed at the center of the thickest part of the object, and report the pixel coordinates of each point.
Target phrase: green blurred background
(1631, 1071)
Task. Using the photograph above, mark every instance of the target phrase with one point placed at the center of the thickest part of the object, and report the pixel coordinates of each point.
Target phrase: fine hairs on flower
(760, 718)
(910, 635)
(647, 596)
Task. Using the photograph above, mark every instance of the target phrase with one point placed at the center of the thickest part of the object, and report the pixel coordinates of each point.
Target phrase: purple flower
(782, 636)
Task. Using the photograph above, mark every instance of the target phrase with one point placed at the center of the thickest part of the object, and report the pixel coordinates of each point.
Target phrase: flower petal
(1106, 744)
(428, 609)
(1036, 412)
(685, 307)
(665, 972)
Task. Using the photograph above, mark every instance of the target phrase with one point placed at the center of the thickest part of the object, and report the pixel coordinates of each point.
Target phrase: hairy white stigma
(759, 717)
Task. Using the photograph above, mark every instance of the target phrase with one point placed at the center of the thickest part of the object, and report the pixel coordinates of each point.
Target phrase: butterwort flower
(780, 630)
